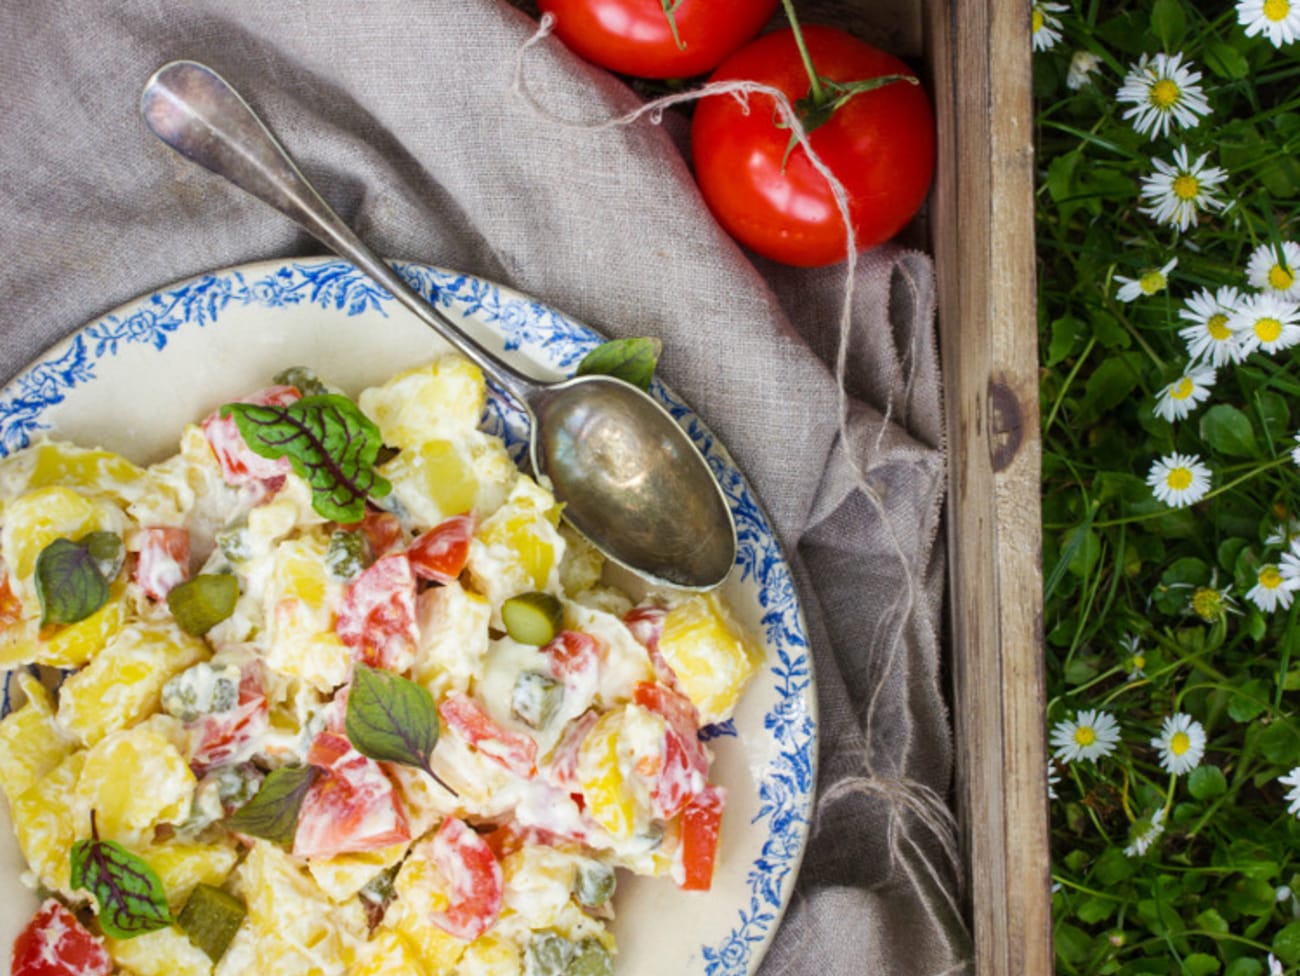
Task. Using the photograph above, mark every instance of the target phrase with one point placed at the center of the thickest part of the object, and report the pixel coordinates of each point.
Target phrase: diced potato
(343, 875)
(134, 780)
(35, 519)
(444, 398)
(518, 547)
(710, 655)
(46, 824)
(31, 741)
(433, 480)
(419, 893)
(490, 955)
(124, 681)
(296, 929)
(165, 952)
(69, 646)
(453, 625)
(301, 600)
(187, 489)
(389, 953)
(180, 865)
(538, 884)
(54, 462)
(608, 761)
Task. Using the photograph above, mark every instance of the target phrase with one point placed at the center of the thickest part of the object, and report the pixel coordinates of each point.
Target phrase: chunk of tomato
(56, 944)
(685, 768)
(383, 531)
(441, 553)
(467, 719)
(475, 883)
(163, 560)
(239, 465)
(561, 769)
(222, 738)
(701, 826)
(646, 624)
(351, 807)
(377, 617)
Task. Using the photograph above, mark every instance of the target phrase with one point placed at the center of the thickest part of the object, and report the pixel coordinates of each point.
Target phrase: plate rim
(743, 951)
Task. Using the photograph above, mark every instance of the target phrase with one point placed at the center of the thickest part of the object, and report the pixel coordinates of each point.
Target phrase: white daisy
(1278, 20)
(1270, 590)
(1280, 277)
(1212, 604)
(1178, 191)
(1275, 966)
(1090, 735)
(1045, 26)
(1180, 397)
(1135, 661)
(1286, 532)
(1082, 65)
(1292, 779)
(1295, 451)
(1265, 321)
(1179, 479)
(1053, 777)
(1181, 743)
(1162, 91)
(1151, 282)
(1288, 565)
(1145, 832)
(1208, 337)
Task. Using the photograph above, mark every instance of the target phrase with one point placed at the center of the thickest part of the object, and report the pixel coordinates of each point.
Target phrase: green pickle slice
(532, 618)
(593, 884)
(535, 698)
(203, 602)
(211, 917)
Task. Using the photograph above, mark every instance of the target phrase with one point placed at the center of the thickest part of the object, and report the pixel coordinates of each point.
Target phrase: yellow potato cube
(301, 602)
(434, 480)
(491, 955)
(389, 953)
(709, 653)
(298, 932)
(134, 779)
(441, 399)
(54, 462)
(343, 875)
(419, 892)
(180, 865)
(518, 547)
(31, 741)
(124, 681)
(165, 952)
(46, 824)
(621, 741)
(69, 646)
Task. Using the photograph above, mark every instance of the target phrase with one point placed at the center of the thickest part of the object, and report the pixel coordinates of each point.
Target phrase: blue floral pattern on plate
(785, 786)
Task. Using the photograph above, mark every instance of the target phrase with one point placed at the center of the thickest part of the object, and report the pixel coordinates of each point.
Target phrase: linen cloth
(404, 115)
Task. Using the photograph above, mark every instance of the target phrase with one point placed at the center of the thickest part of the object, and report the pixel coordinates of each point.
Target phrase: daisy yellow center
(1085, 735)
(1179, 479)
(1268, 329)
(1179, 743)
(1280, 278)
(1182, 389)
(1270, 578)
(1217, 326)
(1164, 94)
(1207, 603)
(1151, 282)
(1187, 187)
(1037, 23)
(1277, 9)
(1139, 662)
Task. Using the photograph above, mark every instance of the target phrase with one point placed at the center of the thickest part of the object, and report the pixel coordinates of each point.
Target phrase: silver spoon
(630, 479)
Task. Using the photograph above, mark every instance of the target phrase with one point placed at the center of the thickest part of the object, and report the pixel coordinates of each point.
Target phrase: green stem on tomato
(816, 90)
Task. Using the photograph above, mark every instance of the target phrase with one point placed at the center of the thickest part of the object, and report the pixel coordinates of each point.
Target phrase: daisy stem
(1092, 814)
(1075, 886)
(1069, 380)
(1252, 473)
(1169, 794)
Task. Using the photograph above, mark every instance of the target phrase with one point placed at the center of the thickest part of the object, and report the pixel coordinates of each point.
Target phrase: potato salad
(333, 690)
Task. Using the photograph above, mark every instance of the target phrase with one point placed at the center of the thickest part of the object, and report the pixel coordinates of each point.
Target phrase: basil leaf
(130, 896)
(273, 813)
(631, 360)
(69, 583)
(329, 442)
(107, 550)
(391, 718)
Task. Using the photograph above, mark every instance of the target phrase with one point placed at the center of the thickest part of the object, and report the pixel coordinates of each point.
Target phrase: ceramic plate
(128, 382)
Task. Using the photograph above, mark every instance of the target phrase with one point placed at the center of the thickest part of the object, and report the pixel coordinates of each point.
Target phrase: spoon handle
(197, 113)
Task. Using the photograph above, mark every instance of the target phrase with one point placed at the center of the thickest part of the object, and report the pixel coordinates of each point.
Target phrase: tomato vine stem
(816, 92)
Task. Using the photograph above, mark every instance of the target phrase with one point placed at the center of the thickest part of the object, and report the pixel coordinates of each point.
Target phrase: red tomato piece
(701, 824)
(56, 944)
(574, 658)
(513, 750)
(11, 608)
(383, 531)
(222, 738)
(377, 617)
(475, 884)
(646, 624)
(441, 553)
(239, 465)
(163, 561)
(685, 768)
(352, 807)
(635, 37)
(879, 144)
(562, 764)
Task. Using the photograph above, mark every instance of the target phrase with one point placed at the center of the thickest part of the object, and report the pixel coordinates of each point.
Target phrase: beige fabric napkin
(403, 114)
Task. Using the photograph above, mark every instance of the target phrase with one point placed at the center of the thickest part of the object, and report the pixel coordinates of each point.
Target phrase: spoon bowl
(628, 476)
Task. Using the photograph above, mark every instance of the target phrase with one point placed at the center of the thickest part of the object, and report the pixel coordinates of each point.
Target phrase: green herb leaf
(1229, 430)
(329, 442)
(69, 583)
(273, 813)
(631, 360)
(391, 718)
(131, 898)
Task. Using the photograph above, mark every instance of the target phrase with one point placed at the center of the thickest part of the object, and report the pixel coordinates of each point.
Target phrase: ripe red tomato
(635, 37)
(351, 808)
(56, 944)
(879, 145)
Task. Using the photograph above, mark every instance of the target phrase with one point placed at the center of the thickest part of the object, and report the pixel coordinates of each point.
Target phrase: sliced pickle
(532, 618)
(211, 917)
(203, 602)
